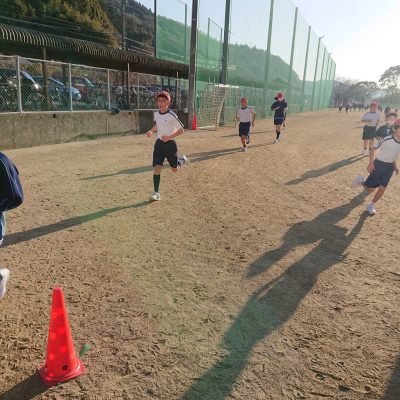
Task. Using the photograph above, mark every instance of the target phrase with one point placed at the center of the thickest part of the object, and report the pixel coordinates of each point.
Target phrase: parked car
(91, 94)
(58, 91)
(31, 96)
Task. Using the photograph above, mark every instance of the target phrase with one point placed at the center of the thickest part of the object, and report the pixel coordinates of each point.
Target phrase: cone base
(50, 380)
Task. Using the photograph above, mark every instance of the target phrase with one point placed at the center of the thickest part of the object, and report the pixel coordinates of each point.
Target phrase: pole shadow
(326, 169)
(26, 390)
(393, 387)
(274, 303)
(25, 236)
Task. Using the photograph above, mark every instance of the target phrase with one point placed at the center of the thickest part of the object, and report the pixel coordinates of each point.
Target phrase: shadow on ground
(19, 237)
(271, 305)
(314, 173)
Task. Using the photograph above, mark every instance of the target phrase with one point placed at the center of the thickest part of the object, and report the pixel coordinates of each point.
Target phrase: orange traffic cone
(62, 363)
(194, 123)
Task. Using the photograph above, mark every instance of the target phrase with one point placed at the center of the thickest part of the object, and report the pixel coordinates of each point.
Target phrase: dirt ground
(257, 276)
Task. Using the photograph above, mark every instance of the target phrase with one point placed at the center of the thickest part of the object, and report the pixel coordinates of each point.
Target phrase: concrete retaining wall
(34, 129)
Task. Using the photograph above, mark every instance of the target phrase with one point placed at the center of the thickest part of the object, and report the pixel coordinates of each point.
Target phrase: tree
(390, 79)
(341, 91)
(363, 91)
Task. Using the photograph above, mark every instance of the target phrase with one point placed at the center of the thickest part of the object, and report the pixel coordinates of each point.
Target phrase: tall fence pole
(192, 62)
(315, 74)
(225, 46)
(303, 86)
(155, 29)
(291, 57)
(268, 58)
(320, 79)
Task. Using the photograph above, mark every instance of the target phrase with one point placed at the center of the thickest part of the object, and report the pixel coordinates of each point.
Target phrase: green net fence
(271, 49)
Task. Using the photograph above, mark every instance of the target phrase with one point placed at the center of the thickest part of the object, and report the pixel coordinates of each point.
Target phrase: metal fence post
(303, 86)
(19, 96)
(315, 75)
(291, 58)
(108, 90)
(267, 59)
(320, 79)
(70, 87)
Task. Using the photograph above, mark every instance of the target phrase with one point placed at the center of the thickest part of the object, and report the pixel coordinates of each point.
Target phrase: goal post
(217, 106)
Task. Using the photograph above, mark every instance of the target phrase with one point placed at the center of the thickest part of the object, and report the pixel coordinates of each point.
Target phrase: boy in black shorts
(168, 127)
(246, 116)
(382, 167)
(371, 120)
(280, 108)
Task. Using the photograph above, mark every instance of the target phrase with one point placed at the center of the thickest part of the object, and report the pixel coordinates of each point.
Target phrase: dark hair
(391, 114)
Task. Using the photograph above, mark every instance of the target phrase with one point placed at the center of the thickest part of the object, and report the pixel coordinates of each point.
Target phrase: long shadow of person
(314, 173)
(393, 387)
(24, 236)
(275, 302)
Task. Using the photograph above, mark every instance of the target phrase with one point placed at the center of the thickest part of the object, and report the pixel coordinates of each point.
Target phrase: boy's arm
(395, 168)
(152, 130)
(371, 166)
(254, 117)
(167, 138)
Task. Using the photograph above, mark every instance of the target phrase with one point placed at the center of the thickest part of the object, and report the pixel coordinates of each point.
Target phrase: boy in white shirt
(371, 120)
(168, 127)
(246, 116)
(381, 167)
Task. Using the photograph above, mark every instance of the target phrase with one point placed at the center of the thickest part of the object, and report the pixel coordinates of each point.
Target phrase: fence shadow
(274, 303)
(19, 237)
(326, 169)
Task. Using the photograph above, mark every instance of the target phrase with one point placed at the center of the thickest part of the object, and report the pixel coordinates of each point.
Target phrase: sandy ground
(258, 275)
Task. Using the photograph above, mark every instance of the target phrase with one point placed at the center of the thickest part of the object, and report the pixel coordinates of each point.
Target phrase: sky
(362, 35)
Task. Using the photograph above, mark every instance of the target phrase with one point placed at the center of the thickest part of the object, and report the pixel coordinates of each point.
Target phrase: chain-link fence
(30, 85)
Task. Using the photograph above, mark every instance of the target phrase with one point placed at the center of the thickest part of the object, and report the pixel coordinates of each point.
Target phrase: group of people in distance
(381, 164)
(382, 156)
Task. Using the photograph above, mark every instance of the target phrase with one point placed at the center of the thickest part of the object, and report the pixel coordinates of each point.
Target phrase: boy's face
(390, 120)
(243, 102)
(373, 108)
(162, 103)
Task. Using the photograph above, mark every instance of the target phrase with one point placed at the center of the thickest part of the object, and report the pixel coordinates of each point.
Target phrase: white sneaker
(155, 196)
(183, 160)
(247, 139)
(276, 141)
(244, 148)
(371, 209)
(4, 276)
(357, 181)
(366, 152)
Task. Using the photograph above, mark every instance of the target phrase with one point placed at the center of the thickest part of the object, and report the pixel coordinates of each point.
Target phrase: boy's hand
(252, 124)
(166, 138)
(396, 170)
(149, 133)
(370, 167)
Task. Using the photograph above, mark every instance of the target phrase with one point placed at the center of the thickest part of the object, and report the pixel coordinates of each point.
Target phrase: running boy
(246, 116)
(168, 127)
(11, 196)
(280, 108)
(382, 167)
(371, 120)
(387, 129)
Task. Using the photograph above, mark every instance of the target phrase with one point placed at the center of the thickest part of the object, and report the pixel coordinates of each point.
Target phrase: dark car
(91, 93)
(56, 85)
(31, 96)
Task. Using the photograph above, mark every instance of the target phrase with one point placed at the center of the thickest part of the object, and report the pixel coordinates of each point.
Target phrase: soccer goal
(218, 105)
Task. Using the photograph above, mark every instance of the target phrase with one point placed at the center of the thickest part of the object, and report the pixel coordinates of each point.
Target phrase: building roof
(30, 43)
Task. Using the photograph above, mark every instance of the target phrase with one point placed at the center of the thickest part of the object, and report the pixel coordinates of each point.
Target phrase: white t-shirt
(167, 123)
(245, 114)
(373, 116)
(389, 149)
